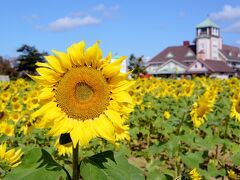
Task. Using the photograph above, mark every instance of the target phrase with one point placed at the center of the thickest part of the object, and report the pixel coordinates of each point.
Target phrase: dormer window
(169, 55)
(189, 54)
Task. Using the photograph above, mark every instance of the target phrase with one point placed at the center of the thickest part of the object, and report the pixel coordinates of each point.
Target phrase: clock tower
(208, 40)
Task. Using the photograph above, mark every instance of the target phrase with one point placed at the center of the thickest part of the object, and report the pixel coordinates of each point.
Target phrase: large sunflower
(84, 94)
(202, 107)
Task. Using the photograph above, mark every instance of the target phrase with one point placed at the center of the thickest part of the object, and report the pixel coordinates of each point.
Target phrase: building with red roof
(207, 56)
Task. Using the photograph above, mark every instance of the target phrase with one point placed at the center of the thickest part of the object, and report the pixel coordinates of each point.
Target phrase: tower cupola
(208, 40)
(207, 28)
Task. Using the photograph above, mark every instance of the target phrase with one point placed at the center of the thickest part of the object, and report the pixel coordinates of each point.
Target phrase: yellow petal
(16, 157)
(41, 80)
(76, 53)
(74, 134)
(40, 64)
(93, 55)
(46, 93)
(110, 71)
(121, 76)
(113, 69)
(114, 116)
(65, 59)
(2, 150)
(82, 132)
(64, 125)
(122, 86)
(55, 63)
(43, 109)
(49, 74)
(104, 128)
(10, 153)
(105, 61)
(122, 96)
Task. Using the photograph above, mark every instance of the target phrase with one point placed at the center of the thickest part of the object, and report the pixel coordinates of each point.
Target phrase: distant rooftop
(207, 23)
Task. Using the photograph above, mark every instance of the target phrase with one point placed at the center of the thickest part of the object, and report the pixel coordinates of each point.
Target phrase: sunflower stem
(76, 169)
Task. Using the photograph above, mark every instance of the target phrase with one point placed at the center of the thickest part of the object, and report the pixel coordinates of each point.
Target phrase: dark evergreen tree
(136, 65)
(28, 58)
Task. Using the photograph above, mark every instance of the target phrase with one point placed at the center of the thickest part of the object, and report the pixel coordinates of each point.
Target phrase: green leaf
(236, 159)
(214, 172)
(156, 175)
(37, 164)
(192, 160)
(106, 166)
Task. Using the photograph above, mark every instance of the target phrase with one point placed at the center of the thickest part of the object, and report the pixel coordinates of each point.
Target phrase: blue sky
(123, 27)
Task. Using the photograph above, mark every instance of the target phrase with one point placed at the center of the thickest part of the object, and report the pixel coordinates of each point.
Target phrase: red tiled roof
(178, 52)
(231, 52)
(217, 66)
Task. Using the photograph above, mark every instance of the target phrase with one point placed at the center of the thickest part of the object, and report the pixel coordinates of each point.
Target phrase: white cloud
(105, 10)
(66, 23)
(92, 16)
(100, 7)
(234, 28)
(228, 13)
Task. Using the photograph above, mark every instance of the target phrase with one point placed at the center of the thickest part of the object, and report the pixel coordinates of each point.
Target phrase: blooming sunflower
(231, 174)
(166, 115)
(7, 129)
(235, 110)
(82, 92)
(202, 107)
(11, 157)
(194, 175)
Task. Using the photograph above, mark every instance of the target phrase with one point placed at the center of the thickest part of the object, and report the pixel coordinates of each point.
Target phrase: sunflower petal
(93, 55)
(40, 64)
(104, 128)
(122, 96)
(76, 53)
(114, 116)
(55, 63)
(49, 74)
(122, 86)
(64, 58)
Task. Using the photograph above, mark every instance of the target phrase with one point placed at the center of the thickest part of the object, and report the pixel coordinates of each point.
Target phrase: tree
(28, 58)
(136, 65)
(6, 68)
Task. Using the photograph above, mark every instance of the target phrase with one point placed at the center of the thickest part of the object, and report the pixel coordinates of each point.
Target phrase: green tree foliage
(136, 65)
(6, 68)
(27, 59)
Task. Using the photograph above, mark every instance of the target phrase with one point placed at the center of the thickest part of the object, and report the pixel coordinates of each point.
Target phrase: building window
(202, 65)
(195, 65)
(169, 55)
(230, 53)
(189, 54)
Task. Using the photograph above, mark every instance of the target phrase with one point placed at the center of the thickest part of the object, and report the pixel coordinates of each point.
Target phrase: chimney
(201, 55)
(186, 43)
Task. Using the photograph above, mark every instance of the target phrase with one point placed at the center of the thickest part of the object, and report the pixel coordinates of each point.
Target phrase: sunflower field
(81, 118)
(179, 129)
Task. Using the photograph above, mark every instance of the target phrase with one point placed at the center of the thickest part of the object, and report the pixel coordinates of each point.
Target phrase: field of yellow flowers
(179, 129)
